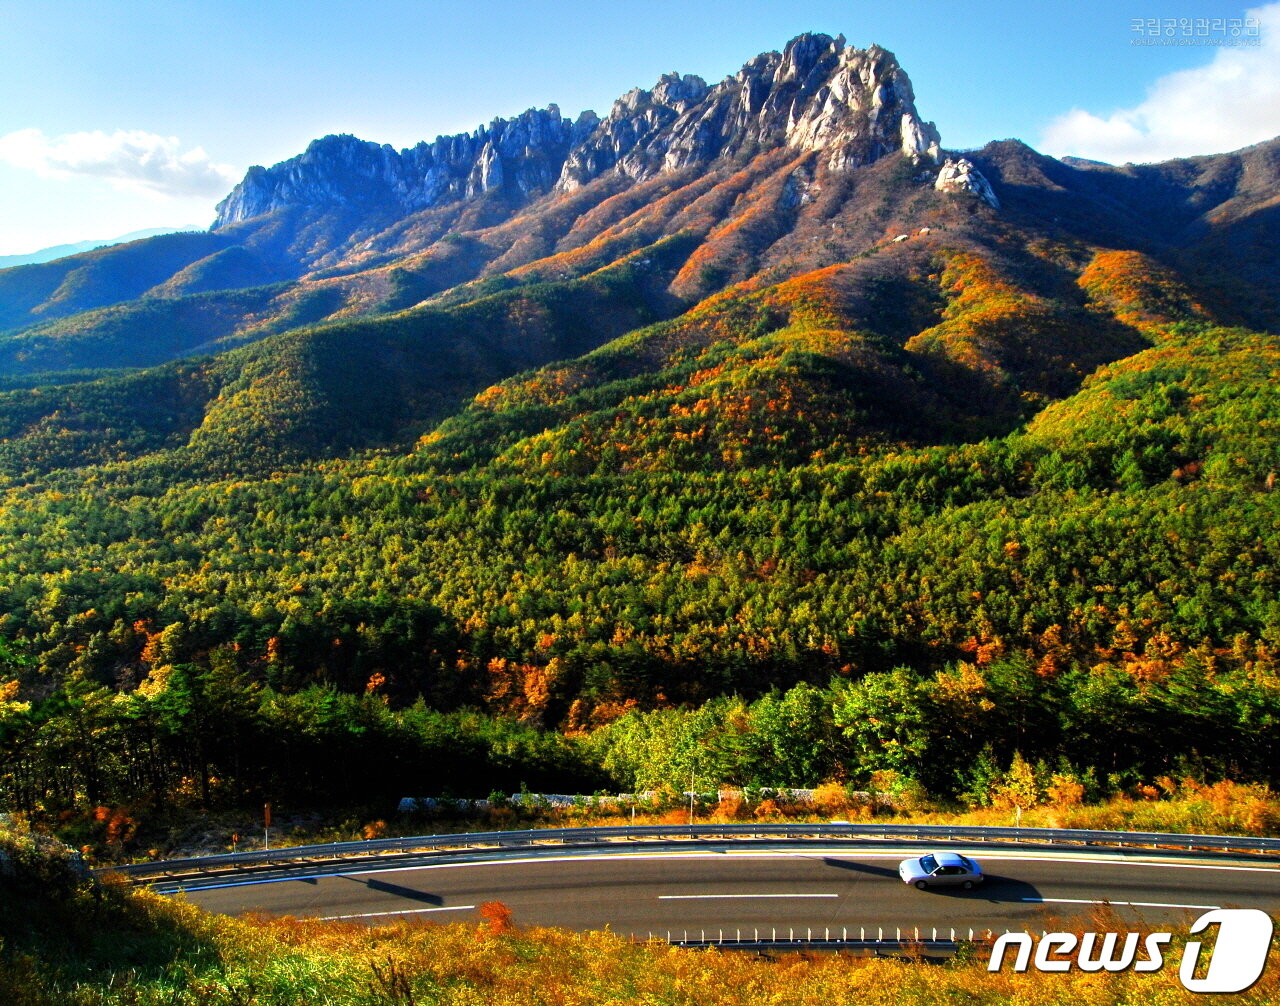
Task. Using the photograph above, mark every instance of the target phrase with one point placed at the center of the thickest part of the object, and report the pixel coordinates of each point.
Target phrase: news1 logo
(1236, 961)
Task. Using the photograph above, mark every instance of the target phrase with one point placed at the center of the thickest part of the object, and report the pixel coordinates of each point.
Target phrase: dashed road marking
(1130, 904)
(721, 897)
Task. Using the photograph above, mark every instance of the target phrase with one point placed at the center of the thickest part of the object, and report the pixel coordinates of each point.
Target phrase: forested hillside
(777, 457)
(1095, 589)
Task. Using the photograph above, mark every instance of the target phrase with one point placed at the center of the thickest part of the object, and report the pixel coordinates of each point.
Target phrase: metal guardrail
(515, 840)
(880, 939)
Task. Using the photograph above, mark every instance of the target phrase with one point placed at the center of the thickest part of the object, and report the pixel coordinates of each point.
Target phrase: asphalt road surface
(714, 888)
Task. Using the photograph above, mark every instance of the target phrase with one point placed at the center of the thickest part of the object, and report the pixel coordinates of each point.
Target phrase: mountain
(61, 251)
(345, 207)
(738, 385)
(793, 163)
(806, 190)
(853, 105)
(883, 462)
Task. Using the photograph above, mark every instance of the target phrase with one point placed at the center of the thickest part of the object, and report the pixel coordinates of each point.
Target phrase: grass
(215, 960)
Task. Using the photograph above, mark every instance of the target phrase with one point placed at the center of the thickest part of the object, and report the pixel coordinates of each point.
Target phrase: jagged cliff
(524, 154)
(854, 105)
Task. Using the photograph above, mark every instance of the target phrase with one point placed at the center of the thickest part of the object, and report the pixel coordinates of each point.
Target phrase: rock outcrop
(524, 154)
(961, 176)
(853, 106)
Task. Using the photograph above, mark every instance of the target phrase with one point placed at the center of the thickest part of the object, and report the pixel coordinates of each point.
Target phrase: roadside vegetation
(106, 835)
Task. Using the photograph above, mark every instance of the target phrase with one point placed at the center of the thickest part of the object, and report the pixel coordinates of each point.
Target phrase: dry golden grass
(495, 963)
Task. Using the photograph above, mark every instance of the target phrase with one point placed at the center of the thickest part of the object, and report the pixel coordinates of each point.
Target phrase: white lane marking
(715, 897)
(407, 911)
(1132, 904)
(845, 851)
(1127, 862)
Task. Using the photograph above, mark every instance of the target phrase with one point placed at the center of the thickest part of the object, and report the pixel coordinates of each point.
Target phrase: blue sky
(115, 116)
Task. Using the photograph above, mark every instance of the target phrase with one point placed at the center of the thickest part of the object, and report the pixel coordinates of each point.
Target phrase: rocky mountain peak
(962, 176)
(855, 105)
(852, 106)
(863, 110)
(679, 92)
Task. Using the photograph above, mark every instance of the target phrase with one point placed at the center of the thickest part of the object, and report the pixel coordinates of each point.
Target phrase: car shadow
(407, 893)
(994, 889)
(875, 871)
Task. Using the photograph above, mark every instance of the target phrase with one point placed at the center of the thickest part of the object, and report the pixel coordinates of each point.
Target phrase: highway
(716, 887)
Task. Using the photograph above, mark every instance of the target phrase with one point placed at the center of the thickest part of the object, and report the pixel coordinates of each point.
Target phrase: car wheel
(921, 885)
(968, 885)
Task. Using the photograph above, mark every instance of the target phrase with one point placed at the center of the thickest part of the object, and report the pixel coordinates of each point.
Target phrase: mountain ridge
(808, 95)
(781, 166)
(76, 247)
(749, 191)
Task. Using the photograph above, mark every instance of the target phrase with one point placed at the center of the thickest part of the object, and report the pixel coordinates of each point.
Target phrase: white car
(941, 869)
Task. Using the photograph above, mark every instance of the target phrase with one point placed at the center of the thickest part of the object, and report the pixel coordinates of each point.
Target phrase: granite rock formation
(855, 106)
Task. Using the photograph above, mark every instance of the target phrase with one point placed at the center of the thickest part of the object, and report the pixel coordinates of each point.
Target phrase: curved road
(722, 887)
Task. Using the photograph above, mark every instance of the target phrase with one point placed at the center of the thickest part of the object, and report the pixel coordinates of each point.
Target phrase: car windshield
(929, 863)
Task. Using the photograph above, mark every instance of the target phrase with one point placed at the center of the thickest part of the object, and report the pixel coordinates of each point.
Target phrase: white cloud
(1229, 103)
(130, 159)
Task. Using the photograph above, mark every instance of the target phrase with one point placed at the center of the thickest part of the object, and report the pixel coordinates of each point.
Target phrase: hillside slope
(744, 392)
